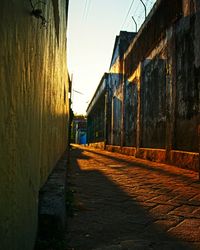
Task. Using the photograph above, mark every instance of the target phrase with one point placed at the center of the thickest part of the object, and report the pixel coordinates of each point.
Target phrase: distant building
(99, 110)
(79, 130)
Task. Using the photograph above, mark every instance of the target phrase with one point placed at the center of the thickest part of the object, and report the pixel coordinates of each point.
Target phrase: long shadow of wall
(109, 214)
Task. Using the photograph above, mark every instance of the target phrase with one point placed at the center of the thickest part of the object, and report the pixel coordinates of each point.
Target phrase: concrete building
(153, 107)
(108, 97)
(34, 111)
(97, 114)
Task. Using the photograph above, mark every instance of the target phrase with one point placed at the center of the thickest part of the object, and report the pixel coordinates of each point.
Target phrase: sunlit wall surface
(33, 111)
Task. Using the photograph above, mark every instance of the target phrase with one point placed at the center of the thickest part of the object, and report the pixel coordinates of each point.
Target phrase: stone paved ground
(126, 203)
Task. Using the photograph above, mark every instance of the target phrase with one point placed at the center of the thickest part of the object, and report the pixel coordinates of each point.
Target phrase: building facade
(34, 111)
(153, 95)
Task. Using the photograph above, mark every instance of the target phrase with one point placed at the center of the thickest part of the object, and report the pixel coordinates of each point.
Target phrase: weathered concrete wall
(34, 112)
(163, 14)
(153, 98)
(130, 123)
(154, 88)
(115, 107)
(116, 120)
(95, 121)
(168, 100)
(96, 118)
(187, 86)
(114, 115)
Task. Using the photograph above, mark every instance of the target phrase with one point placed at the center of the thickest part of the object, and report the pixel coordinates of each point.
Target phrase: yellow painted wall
(33, 112)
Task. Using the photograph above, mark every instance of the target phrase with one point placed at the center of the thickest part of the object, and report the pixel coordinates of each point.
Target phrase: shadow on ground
(143, 164)
(106, 217)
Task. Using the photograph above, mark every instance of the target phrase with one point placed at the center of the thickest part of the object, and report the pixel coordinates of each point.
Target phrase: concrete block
(152, 154)
(52, 203)
(185, 159)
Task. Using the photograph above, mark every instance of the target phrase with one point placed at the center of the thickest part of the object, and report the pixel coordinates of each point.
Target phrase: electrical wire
(88, 7)
(85, 9)
(127, 14)
(136, 9)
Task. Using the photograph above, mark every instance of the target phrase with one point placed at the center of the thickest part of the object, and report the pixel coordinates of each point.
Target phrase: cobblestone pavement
(126, 203)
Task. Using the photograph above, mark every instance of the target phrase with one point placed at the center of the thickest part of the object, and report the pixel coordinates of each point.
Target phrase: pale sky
(92, 28)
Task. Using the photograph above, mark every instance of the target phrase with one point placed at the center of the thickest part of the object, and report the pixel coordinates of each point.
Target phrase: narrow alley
(82, 83)
(121, 202)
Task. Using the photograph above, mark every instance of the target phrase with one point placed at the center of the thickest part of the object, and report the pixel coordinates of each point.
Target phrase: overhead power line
(78, 92)
(85, 9)
(136, 8)
(127, 13)
(88, 7)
